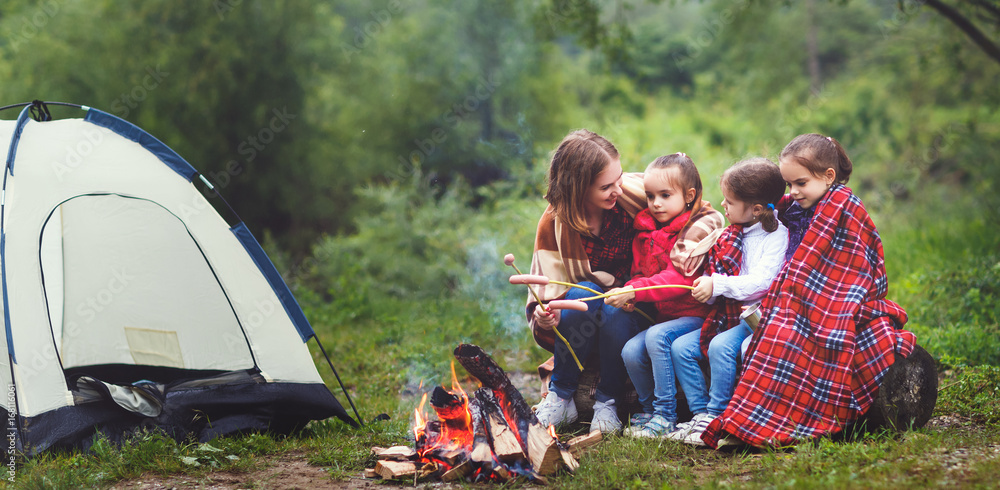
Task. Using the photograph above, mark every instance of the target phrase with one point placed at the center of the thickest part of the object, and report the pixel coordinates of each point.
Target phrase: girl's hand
(625, 300)
(547, 320)
(702, 289)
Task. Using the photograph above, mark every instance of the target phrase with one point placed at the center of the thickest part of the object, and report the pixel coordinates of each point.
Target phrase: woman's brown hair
(756, 181)
(577, 161)
(817, 153)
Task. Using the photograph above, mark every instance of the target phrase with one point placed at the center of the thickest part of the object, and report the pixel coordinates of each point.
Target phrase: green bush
(970, 391)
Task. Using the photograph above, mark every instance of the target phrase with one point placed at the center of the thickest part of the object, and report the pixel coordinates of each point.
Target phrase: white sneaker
(605, 418)
(556, 411)
(654, 428)
(695, 436)
(684, 429)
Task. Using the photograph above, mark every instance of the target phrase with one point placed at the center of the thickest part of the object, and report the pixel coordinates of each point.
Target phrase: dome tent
(128, 301)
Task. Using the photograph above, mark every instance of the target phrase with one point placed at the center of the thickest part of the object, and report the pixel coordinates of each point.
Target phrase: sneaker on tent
(685, 428)
(655, 428)
(556, 411)
(605, 418)
(695, 436)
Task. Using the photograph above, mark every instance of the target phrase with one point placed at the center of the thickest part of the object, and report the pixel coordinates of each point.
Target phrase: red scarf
(827, 336)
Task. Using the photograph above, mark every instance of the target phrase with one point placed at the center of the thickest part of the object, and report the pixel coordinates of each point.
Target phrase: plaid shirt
(611, 252)
(726, 258)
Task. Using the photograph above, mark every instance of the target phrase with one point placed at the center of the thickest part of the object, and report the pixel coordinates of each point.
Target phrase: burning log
(480, 443)
(452, 410)
(492, 436)
(505, 444)
(458, 472)
(543, 449)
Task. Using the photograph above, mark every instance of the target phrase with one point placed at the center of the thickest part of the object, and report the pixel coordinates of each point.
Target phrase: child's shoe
(556, 411)
(656, 427)
(684, 429)
(605, 418)
(694, 437)
(638, 419)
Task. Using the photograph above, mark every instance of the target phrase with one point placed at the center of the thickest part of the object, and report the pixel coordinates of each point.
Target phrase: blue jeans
(724, 352)
(647, 359)
(603, 326)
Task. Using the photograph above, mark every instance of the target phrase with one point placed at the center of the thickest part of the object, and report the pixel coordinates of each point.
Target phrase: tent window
(127, 284)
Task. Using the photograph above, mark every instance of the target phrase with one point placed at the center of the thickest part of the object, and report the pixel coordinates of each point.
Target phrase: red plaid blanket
(827, 337)
(725, 258)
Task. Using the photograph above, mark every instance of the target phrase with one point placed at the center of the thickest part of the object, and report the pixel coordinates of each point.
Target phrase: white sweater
(763, 256)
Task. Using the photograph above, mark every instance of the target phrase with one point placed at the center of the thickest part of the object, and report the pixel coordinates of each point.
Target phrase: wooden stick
(395, 469)
(543, 450)
(397, 453)
(457, 473)
(505, 444)
(579, 443)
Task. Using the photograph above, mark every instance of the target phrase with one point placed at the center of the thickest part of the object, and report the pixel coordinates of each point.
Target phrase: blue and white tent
(128, 301)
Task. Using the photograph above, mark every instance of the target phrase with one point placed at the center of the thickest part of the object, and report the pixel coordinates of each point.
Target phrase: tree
(967, 16)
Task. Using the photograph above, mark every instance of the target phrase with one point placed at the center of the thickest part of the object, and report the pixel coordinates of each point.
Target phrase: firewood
(458, 472)
(427, 469)
(376, 450)
(452, 456)
(481, 453)
(515, 410)
(543, 450)
(502, 473)
(568, 459)
(370, 473)
(579, 443)
(505, 444)
(390, 470)
(451, 410)
(397, 453)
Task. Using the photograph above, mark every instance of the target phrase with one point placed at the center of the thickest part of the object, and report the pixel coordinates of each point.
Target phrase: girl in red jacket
(673, 237)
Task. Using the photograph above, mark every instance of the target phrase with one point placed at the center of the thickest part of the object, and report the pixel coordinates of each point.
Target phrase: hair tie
(829, 139)
(682, 154)
(770, 206)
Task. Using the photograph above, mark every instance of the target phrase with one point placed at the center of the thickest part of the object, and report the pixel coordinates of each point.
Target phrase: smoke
(487, 284)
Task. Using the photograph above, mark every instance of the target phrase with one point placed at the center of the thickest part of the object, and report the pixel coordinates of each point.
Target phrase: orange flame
(552, 432)
(420, 417)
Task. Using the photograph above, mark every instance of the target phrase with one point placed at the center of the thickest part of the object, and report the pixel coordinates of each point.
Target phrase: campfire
(492, 435)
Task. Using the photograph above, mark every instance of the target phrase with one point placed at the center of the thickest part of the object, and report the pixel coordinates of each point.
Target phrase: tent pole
(348, 395)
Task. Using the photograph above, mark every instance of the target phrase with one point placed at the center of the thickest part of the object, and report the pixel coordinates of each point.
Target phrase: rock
(908, 394)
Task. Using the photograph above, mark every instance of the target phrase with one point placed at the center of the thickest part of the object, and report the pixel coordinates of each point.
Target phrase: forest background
(389, 153)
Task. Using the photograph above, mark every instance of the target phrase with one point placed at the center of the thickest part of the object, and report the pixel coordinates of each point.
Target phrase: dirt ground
(289, 471)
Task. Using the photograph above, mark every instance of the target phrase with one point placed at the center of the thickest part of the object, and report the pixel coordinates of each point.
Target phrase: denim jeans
(647, 359)
(724, 352)
(603, 326)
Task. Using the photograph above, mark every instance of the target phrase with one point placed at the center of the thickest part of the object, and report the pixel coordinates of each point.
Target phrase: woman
(585, 237)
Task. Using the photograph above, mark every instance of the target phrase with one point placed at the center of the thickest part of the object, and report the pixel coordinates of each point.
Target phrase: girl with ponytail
(741, 266)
